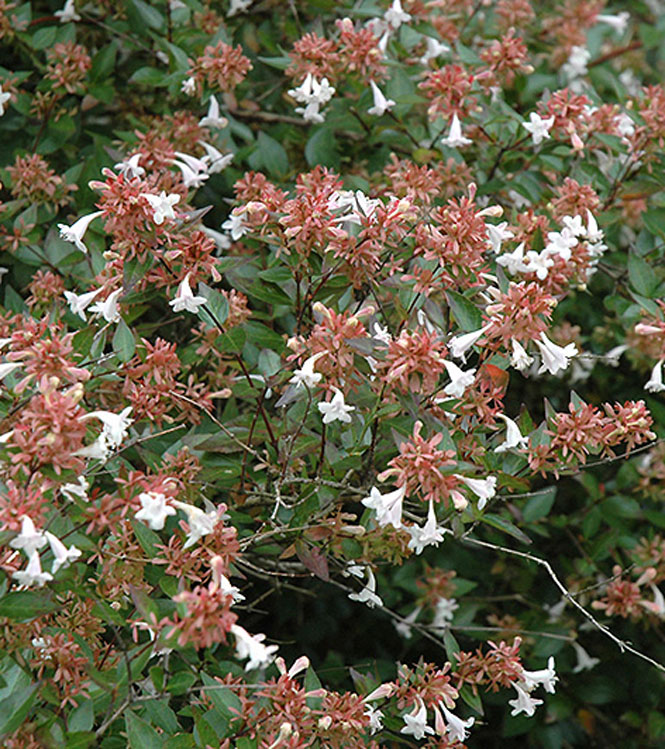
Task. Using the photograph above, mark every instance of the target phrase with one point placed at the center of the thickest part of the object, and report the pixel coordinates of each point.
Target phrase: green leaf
(148, 76)
(506, 526)
(44, 38)
(322, 149)
(145, 14)
(641, 275)
(466, 313)
(147, 538)
(16, 707)
(270, 155)
(103, 62)
(140, 734)
(280, 63)
(471, 699)
(124, 343)
(22, 606)
(82, 717)
(216, 309)
(539, 506)
(451, 645)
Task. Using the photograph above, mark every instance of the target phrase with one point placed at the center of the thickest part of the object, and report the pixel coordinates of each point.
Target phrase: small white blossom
(5, 96)
(619, 21)
(381, 104)
(313, 95)
(252, 647)
(108, 309)
(456, 727)
(655, 383)
(460, 379)
(188, 86)
(306, 376)
(520, 359)
(115, 425)
(32, 574)
(200, 523)
(162, 205)
(484, 489)
(388, 507)
(455, 139)
(429, 535)
(404, 627)
(497, 233)
(538, 263)
(444, 612)
(585, 662)
(238, 6)
(130, 167)
(513, 261)
(154, 510)
(213, 118)
(395, 15)
(415, 723)
(546, 677)
(555, 358)
(368, 594)
(80, 490)
(336, 409)
(576, 66)
(235, 224)
(98, 450)
(63, 556)
(375, 719)
(185, 299)
(514, 437)
(434, 49)
(460, 344)
(215, 160)
(524, 703)
(538, 127)
(192, 177)
(29, 539)
(78, 303)
(76, 231)
(68, 13)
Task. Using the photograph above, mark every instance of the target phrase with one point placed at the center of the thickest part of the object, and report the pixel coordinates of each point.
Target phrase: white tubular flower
(63, 556)
(619, 21)
(415, 723)
(215, 160)
(655, 383)
(444, 612)
(388, 507)
(130, 167)
(336, 409)
(98, 450)
(375, 719)
(188, 86)
(404, 627)
(80, 490)
(460, 344)
(381, 104)
(185, 299)
(108, 309)
(235, 224)
(576, 66)
(546, 676)
(190, 178)
(368, 594)
(538, 127)
(5, 96)
(200, 523)
(434, 49)
(29, 539)
(8, 367)
(306, 376)
(32, 574)
(514, 437)
(154, 510)
(213, 118)
(78, 303)
(538, 263)
(429, 535)
(456, 727)
(496, 233)
(585, 662)
(455, 139)
(524, 703)
(115, 425)
(555, 358)
(395, 15)
(520, 359)
(484, 489)
(68, 13)
(76, 231)
(252, 647)
(238, 6)
(460, 379)
(162, 205)
(513, 261)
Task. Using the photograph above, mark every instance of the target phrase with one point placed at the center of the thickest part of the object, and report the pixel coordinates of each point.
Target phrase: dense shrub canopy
(331, 348)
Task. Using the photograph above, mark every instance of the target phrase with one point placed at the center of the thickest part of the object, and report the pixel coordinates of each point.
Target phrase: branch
(621, 644)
